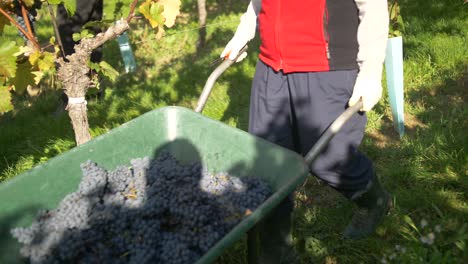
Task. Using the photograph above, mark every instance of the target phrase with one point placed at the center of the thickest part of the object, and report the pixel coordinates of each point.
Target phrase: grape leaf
(156, 11)
(94, 66)
(76, 37)
(153, 12)
(5, 102)
(37, 76)
(34, 57)
(70, 5)
(400, 23)
(24, 49)
(105, 23)
(145, 8)
(7, 57)
(171, 10)
(3, 22)
(83, 34)
(46, 62)
(394, 11)
(108, 71)
(23, 78)
(54, 2)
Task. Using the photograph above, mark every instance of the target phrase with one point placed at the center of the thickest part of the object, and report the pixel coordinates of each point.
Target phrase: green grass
(426, 170)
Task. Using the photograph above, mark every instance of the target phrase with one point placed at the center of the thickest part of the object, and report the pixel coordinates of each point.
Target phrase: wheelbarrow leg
(252, 245)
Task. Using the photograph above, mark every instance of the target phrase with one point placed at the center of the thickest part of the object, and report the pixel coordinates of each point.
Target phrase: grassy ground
(426, 170)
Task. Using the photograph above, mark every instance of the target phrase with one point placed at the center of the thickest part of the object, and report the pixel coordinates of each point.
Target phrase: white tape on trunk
(77, 100)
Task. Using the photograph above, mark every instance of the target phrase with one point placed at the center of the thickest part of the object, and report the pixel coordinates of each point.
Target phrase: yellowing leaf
(23, 50)
(171, 10)
(47, 62)
(145, 9)
(37, 76)
(54, 2)
(34, 57)
(7, 58)
(153, 12)
(5, 102)
(156, 11)
(28, 3)
(44, 61)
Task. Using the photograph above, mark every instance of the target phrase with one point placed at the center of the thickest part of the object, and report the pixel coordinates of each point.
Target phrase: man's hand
(233, 47)
(370, 90)
(244, 33)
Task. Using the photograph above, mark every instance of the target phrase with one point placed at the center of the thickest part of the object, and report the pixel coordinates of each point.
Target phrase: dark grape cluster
(156, 211)
(32, 13)
(22, 23)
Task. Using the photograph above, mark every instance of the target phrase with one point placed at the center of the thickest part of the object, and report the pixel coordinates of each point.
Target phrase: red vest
(309, 35)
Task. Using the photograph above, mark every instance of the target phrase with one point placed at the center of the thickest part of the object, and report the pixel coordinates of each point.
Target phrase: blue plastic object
(394, 71)
(127, 53)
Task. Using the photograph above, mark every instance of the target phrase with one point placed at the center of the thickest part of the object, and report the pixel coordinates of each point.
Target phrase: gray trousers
(293, 110)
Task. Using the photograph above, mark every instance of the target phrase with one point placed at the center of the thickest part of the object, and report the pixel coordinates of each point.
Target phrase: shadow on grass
(178, 81)
(434, 10)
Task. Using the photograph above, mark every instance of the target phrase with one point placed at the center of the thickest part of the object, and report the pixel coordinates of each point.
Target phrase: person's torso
(309, 35)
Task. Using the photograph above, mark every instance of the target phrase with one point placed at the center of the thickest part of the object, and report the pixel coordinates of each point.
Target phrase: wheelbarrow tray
(219, 147)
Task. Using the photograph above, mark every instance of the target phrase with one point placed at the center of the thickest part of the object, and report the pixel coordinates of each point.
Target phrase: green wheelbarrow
(219, 147)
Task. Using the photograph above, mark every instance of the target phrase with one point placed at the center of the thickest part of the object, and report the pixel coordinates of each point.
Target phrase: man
(316, 58)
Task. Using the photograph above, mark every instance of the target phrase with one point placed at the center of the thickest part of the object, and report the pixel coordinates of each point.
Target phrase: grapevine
(73, 70)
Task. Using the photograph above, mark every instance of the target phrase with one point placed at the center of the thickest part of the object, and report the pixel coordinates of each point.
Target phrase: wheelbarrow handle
(331, 132)
(212, 79)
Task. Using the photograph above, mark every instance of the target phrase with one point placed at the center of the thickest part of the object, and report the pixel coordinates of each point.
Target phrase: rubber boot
(275, 236)
(373, 204)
